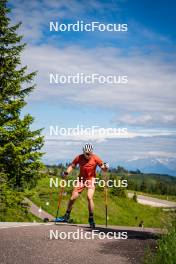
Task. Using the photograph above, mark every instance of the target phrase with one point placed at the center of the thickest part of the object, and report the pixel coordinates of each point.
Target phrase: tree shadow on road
(132, 234)
(133, 248)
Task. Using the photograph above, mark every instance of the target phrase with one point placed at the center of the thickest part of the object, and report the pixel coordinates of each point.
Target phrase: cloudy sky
(146, 53)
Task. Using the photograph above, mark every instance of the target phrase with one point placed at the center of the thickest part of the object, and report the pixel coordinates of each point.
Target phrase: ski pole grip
(106, 165)
(64, 174)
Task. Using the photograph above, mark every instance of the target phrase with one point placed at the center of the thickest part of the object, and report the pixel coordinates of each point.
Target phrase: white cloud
(114, 149)
(36, 15)
(148, 100)
(152, 119)
(150, 91)
(99, 134)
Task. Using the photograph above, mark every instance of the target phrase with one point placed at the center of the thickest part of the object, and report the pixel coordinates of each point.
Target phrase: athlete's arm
(104, 166)
(72, 166)
(68, 170)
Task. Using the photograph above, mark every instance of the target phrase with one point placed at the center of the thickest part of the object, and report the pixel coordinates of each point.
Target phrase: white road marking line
(3, 227)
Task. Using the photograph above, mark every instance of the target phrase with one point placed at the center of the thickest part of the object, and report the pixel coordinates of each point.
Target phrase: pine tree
(20, 147)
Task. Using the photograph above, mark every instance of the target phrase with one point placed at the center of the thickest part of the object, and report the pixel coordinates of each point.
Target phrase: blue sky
(145, 53)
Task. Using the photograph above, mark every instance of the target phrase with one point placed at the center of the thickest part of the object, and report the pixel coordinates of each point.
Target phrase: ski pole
(106, 199)
(59, 201)
(106, 204)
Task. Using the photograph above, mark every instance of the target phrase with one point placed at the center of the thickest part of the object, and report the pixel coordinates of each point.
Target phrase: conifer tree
(20, 147)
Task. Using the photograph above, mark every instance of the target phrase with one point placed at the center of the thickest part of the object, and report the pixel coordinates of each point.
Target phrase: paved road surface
(142, 199)
(31, 244)
(39, 212)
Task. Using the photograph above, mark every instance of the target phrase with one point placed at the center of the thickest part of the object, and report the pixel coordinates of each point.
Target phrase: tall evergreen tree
(20, 147)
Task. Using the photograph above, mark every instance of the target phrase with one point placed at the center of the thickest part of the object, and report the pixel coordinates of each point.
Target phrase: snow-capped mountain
(152, 165)
(146, 165)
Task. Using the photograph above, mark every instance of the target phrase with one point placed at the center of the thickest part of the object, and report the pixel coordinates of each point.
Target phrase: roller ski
(64, 219)
(61, 219)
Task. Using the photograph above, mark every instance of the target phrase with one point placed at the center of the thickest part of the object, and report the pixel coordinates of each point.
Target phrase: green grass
(32, 218)
(14, 215)
(166, 249)
(121, 211)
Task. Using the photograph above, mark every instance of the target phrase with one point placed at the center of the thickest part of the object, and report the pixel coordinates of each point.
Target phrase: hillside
(121, 210)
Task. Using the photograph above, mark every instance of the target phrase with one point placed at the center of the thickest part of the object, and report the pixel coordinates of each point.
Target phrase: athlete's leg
(90, 194)
(73, 198)
(75, 194)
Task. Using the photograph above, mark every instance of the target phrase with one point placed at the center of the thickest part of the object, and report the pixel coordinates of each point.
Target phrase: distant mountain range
(147, 165)
(151, 165)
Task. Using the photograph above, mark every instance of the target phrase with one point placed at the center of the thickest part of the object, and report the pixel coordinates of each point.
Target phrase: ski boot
(91, 222)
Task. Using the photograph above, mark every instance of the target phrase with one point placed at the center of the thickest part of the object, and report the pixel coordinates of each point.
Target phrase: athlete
(88, 163)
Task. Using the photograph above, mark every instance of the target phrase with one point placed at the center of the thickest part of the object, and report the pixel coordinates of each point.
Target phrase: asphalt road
(33, 243)
(39, 212)
(155, 202)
